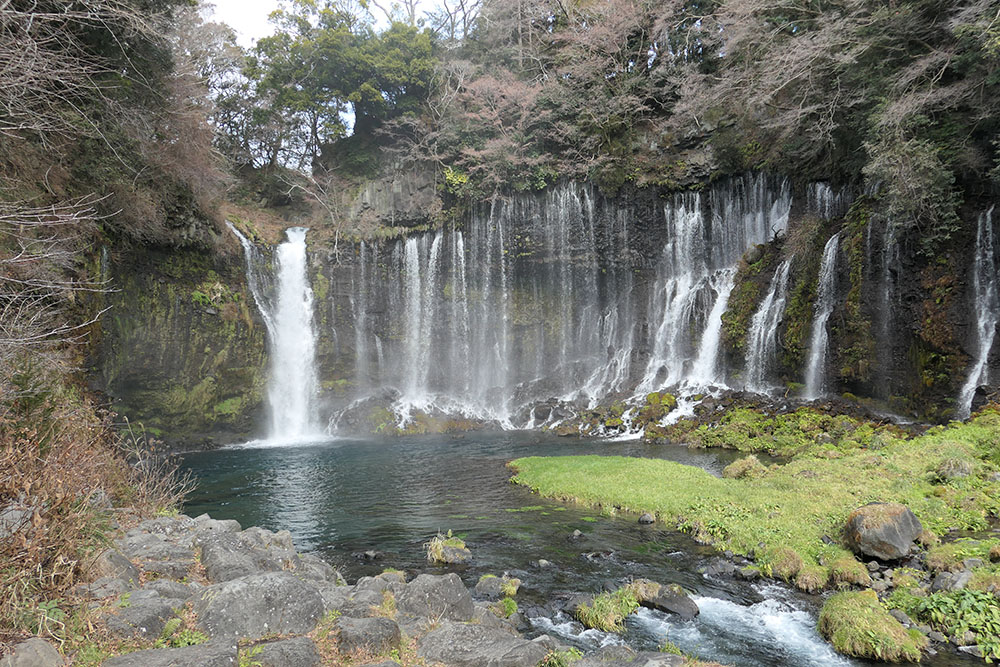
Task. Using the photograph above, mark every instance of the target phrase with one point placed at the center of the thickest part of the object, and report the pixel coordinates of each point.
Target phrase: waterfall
(826, 294)
(763, 334)
(695, 276)
(288, 316)
(986, 305)
(705, 370)
(890, 269)
(552, 297)
(683, 275)
(826, 203)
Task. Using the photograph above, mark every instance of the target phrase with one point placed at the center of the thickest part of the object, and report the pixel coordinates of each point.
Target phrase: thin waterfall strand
(986, 304)
(763, 335)
(825, 301)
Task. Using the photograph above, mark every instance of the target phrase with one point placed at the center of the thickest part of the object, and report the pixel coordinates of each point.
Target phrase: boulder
(647, 519)
(258, 605)
(882, 530)
(229, 556)
(951, 581)
(111, 564)
(489, 587)
(170, 589)
(350, 601)
(143, 546)
(106, 587)
(458, 645)
(212, 654)
(171, 569)
(454, 555)
(431, 596)
(297, 652)
(673, 599)
(13, 518)
(314, 567)
(643, 659)
(33, 653)
(374, 635)
(143, 618)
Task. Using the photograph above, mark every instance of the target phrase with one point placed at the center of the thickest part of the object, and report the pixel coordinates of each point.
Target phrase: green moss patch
(607, 611)
(787, 434)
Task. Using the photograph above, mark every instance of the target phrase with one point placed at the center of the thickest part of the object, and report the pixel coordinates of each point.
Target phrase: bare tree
(46, 72)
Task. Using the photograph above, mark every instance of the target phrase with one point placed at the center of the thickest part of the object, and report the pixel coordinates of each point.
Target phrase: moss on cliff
(853, 343)
(747, 293)
(181, 351)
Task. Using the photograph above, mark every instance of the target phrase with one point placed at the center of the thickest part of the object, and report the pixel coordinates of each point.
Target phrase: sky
(247, 17)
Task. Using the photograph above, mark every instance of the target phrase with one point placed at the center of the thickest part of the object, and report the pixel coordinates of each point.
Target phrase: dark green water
(344, 496)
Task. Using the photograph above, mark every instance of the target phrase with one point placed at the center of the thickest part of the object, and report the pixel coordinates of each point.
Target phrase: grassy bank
(781, 516)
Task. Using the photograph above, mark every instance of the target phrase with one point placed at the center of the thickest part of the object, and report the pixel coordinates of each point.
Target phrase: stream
(341, 497)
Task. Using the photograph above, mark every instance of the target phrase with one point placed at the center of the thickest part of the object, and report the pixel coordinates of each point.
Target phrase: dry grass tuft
(60, 479)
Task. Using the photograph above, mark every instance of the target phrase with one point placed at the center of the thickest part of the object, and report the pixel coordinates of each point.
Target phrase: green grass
(607, 611)
(795, 505)
(858, 625)
(435, 548)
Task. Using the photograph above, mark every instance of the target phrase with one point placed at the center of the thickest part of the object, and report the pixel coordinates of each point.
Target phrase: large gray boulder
(232, 555)
(436, 596)
(258, 605)
(882, 530)
(144, 618)
(374, 635)
(212, 654)
(297, 652)
(460, 645)
(33, 653)
(110, 564)
(349, 601)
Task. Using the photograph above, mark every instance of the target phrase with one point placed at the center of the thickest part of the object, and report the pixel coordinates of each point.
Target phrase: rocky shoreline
(200, 592)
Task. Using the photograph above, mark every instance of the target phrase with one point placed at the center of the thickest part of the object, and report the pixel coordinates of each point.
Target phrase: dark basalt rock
(212, 654)
(259, 605)
(882, 530)
(673, 599)
(33, 653)
(477, 646)
(297, 652)
(430, 596)
(143, 617)
(377, 635)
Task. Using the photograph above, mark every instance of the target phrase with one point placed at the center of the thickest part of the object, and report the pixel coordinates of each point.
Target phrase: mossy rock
(748, 467)
(858, 625)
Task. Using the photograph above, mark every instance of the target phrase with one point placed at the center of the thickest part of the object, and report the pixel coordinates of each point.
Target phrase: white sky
(247, 17)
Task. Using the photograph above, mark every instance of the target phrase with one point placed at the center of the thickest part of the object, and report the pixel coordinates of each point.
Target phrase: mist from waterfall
(986, 306)
(826, 295)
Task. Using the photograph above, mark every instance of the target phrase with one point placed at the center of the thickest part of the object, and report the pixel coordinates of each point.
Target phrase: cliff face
(182, 350)
(562, 294)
